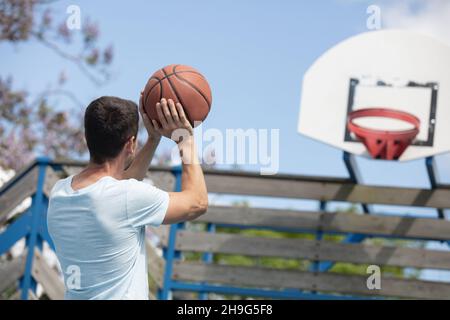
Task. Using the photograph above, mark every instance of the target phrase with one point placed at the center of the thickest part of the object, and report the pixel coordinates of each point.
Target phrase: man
(97, 218)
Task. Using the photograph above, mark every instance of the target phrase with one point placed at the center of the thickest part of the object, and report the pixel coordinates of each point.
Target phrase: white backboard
(395, 69)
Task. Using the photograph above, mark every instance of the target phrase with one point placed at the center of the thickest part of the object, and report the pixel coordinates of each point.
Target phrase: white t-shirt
(99, 236)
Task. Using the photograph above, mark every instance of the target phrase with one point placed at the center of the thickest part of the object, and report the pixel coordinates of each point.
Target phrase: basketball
(182, 84)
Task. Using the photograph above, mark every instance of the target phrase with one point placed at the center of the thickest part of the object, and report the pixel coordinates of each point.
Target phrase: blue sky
(253, 52)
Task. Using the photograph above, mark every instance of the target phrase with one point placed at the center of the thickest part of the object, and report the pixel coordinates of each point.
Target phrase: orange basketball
(182, 84)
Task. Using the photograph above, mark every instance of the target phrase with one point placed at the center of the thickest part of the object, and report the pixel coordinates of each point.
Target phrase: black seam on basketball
(174, 72)
(178, 96)
(148, 91)
(146, 97)
(173, 88)
(168, 75)
(193, 86)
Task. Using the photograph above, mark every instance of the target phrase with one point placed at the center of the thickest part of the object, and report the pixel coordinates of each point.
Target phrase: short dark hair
(109, 122)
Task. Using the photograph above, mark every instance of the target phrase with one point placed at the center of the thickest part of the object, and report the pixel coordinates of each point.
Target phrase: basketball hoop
(384, 144)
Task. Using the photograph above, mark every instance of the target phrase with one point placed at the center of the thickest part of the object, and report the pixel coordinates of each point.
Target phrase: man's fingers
(166, 112)
(161, 117)
(182, 115)
(145, 117)
(156, 125)
(174, 113)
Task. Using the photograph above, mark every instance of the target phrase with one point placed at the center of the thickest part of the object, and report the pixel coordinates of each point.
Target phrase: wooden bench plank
(11, 271)
(403, 227)
(162, 232)
(312, 250)
(156, 265)
(322, 281)
(162, 180)
(47, 277)
(315, 188)
(325, 190)
(17, 193)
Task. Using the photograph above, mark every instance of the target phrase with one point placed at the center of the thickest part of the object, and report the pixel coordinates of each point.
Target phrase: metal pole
(207, 258)
(432, 177)
(355, 176)
(33, 239)
(169, 253)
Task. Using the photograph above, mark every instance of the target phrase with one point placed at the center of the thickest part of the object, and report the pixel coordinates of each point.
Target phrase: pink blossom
(64, 32)
(47, 18)
(90, 31)
(108, 54)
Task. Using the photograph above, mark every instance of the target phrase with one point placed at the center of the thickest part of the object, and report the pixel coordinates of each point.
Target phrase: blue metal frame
(34, 239)
(355, 176)
(16, 231)
(207, 258)
(169, 253)
(277, 294)
(315, 267)
(32, 225)
(432, 177)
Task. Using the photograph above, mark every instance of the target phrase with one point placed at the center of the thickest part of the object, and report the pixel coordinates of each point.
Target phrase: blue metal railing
(32, 225)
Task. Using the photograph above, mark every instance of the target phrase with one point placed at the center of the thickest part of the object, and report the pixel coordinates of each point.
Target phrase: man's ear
(131, 145)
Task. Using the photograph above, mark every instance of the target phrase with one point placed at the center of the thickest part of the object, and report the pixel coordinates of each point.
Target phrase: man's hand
(173, 123)
(152, 132)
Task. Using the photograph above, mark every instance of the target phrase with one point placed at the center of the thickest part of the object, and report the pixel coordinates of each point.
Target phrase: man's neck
(93, 172)
(114, 169)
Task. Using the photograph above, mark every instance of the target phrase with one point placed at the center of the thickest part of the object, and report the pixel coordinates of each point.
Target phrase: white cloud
(431, 17)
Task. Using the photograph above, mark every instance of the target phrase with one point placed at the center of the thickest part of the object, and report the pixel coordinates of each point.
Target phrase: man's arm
(192, 200)
(139, 167)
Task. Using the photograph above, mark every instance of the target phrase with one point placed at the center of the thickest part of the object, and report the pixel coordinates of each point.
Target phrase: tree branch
(60, 92)
(75, 59)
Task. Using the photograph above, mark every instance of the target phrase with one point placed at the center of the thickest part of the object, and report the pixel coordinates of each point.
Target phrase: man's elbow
(202, 206)
(199, 207)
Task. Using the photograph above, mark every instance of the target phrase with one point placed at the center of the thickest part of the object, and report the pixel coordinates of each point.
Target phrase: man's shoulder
(59, 185)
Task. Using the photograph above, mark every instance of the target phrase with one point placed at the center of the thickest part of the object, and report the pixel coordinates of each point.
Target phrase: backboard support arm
(430, 163)
(355, 176)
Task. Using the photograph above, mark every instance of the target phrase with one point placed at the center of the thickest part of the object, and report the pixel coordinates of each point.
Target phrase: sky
(253, 53)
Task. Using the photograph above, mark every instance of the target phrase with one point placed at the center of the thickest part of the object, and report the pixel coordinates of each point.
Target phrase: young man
(97, 218)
